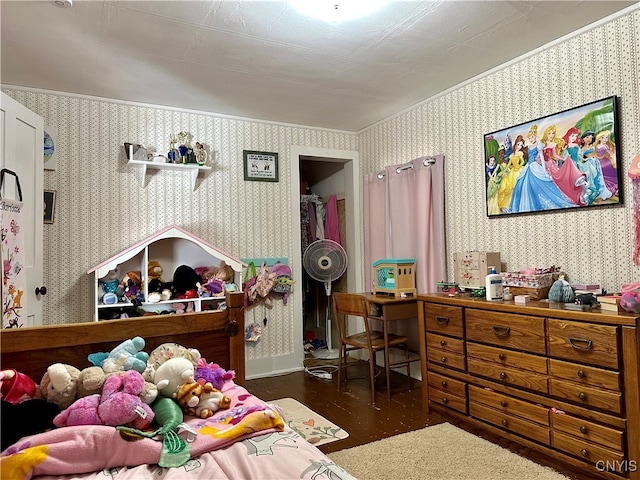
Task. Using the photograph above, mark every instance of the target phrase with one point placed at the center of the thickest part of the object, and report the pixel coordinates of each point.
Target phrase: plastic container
(493, 284)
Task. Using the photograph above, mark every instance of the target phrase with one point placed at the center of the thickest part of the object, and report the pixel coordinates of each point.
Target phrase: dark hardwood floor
(352, 410)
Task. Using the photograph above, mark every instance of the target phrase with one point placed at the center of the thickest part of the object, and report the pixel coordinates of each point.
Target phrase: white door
(22, 151)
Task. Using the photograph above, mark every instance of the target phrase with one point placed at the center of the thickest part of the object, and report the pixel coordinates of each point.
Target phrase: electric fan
(325, 261)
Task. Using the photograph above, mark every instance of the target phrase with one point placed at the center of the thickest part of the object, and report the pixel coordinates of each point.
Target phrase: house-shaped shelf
(171, 247)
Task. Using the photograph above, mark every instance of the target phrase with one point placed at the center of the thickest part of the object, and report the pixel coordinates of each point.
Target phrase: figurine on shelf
(173, 153)
(184, 138)
(201, 154)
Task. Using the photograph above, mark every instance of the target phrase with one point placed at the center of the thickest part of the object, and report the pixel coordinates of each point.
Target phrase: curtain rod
(427, 162)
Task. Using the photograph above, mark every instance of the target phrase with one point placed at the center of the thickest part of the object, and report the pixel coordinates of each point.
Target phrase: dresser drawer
(584, 375)
(584, 342)
(446, 384)
(585, 450)
(447, 359)
(443, 319)
(448, 400)
(586, 396)
(519, 332)
(586, 430)
(508, 358)
(509, 422)
(445, 344)
(510, 405)
(508, 375)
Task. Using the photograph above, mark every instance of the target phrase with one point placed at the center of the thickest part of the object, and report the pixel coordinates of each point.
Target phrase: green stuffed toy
(126, 356)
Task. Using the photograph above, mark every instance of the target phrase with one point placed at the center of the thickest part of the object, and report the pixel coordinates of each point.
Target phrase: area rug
(441, 452)
(311, 426)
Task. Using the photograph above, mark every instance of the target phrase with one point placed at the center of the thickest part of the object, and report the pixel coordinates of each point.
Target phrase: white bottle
(493, 283)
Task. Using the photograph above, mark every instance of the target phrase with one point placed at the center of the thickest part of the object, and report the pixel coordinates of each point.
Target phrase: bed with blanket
(248, 439)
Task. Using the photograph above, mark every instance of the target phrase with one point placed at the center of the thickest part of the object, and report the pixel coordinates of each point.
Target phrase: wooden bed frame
(31, 350)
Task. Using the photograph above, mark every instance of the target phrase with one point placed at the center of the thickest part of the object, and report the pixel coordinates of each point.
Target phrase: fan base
(325, 353)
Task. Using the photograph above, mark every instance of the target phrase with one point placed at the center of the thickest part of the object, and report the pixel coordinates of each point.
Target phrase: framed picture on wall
(49, 205)
(570, 159)
(260, 166)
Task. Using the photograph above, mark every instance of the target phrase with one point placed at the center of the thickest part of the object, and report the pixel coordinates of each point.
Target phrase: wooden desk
(391, 309)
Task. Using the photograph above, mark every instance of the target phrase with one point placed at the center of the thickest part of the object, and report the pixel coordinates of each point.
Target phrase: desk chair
(345, 304)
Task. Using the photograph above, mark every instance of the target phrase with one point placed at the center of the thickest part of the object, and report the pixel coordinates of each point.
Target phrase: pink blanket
(83, 449)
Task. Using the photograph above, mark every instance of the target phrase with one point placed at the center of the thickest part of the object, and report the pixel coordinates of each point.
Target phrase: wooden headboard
(31, 350)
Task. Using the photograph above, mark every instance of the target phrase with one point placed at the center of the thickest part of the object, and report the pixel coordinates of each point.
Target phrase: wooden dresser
(559, 381)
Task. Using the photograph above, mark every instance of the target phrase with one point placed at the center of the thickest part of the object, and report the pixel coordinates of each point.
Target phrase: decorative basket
(536, 286)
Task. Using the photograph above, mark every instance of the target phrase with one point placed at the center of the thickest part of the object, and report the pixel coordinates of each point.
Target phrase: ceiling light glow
(337, 10)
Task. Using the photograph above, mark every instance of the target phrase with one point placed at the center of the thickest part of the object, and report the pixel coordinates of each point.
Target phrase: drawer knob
(503, 375)
(501, 331)
(444, 384)
(501, 356)
(440, 320)
(443, 343)
(504, 422)
(503, 403)
(584, 453)
(583, 429)
(443, 359)
(582, 396)
(580, 343)
(445, 400)
(581, 374)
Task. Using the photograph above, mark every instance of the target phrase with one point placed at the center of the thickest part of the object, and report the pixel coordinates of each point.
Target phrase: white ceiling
(263, 60)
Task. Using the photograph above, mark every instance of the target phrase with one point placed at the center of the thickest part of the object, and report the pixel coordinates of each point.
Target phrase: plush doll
(155, 282)
(185, 279)
(132, 284)
(630, 300)
(213, 373)
(59, 385)
(173, 373)
(119, 404)
(110, 284)
(126, 356)
(200, 399)
(91, 381)
(154, 271)
(166, 351)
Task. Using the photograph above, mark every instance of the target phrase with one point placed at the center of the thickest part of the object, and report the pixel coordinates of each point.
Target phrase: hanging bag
(12, 254)
(249, 282)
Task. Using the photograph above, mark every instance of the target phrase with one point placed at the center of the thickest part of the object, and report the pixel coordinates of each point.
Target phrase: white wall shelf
(192, 168)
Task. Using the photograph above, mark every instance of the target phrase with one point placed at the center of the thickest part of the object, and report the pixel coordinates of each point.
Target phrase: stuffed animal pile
(121, 388)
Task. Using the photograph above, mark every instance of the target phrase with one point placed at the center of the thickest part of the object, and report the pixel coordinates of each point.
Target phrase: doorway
(328, 172)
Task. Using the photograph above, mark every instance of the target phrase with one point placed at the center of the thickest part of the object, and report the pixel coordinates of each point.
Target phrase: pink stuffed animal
(119, 404)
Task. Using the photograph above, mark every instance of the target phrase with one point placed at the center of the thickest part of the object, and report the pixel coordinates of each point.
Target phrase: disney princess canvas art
(566, 160)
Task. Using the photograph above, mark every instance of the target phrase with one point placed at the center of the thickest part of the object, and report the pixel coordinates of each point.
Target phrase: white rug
(311, 426)
(440, 452)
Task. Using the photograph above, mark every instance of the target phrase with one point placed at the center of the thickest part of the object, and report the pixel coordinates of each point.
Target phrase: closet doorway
(325, 172)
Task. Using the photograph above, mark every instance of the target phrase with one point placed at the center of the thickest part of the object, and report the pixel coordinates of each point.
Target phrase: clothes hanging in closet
(331, 223)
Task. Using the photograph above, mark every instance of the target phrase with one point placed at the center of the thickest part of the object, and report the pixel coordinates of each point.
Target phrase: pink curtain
(404, 218)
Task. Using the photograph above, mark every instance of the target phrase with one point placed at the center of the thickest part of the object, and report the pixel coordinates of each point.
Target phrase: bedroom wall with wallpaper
(590, 244)
(102, 207)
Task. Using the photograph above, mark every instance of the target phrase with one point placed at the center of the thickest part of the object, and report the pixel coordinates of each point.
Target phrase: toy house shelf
(171, 247)
(192, 168)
